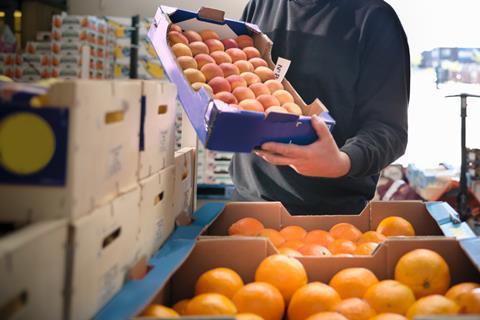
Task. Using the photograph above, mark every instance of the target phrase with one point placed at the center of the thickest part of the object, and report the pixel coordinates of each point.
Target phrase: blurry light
(2, 14)
(17, 14)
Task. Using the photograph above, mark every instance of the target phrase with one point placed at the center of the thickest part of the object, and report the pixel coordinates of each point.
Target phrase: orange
(320, 237)
(295, 244)
(353, 282)
(365, 249)
(274, 236)
(314, 250)
(219, 280)
(181, 306)
(327, 316)
(208, 304)
(454, 292)
(246, 227)
(388, 316)
(342, 246)
(371, 236)
(432, 305)
(159, 311)
(390, 296)
(285, 273)
(262, 299)
(395, 226)
(247, 316)
(355, 309)
(345, 231)
(469, 302)
(424, 271)
(312, 298)
(289, 252)
(293, 233)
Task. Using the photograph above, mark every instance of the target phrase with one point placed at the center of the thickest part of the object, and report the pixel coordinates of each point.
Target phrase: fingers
(321, 128)
(275, 159)
(287, 150)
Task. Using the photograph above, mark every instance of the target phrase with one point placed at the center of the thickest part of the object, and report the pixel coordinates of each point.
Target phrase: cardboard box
(184, 182)
(156, 211)
(32, 271)
(103, 252)
(428, 219)
(35, 47)
(157, 136)
(220, 126)
(72, 22)
(93, 145)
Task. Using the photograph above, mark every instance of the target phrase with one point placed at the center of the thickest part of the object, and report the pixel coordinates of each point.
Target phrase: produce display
(343, 239)
(231, 70)
(281, 288)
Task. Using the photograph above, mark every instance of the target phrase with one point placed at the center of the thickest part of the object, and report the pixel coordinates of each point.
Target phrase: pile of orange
(421, 286)
(342, 239)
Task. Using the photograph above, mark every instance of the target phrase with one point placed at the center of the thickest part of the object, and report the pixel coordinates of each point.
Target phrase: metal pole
(134, 40)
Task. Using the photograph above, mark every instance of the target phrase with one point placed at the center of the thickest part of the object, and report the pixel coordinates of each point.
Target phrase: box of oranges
(232, 92)
(337, 234)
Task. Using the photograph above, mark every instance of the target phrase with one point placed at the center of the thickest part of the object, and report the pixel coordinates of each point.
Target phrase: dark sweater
(353, 55)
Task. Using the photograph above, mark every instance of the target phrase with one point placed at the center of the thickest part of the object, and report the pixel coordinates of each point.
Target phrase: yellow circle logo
(27, 143)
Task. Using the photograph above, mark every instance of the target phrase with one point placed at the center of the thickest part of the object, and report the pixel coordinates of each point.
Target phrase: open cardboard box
(428, 219)
(218, 125)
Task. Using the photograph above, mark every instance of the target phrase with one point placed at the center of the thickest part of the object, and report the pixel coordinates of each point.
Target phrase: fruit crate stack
(89, 190)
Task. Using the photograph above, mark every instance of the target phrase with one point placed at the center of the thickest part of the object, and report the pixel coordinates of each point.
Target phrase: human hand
(322, 158)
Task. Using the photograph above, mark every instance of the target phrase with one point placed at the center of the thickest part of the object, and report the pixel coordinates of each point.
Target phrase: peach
(186, 62)
(219, 84)
(243, 93)
(258, 62)
(251, 105)
(293, 108)
(175, 27)
(192, 36)
(226, 97)
(220, 57)
(283, 96)
(259, 89)
(236, 54)
(244, 66)
(229, 69)
(268, 101)
(198, 47)
(202, 59)
(236, 81)
(193, 75)
(274, 85)
(209, 34)
(181, 49)
(244, 41)
(176, 37)
(229, 43)
(276, 109)
(265, 74)
(250, 77)
(198, 85)
(214, 45)
(251, 52)
(211, 70)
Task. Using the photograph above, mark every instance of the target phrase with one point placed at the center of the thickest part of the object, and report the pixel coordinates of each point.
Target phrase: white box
(158, 136)
(102, 152)
(32, 271)
(103, 253)
(184, 182)
(156, 211)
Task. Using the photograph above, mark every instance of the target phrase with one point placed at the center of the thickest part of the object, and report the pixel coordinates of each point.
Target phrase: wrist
(344, 164)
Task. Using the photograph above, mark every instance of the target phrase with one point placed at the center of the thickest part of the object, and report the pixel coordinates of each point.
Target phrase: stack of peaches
(231, 70)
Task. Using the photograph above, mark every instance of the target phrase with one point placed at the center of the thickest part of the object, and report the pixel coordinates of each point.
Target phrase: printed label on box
(114, 164)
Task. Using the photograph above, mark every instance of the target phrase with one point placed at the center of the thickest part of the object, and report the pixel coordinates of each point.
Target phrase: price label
(281, 68)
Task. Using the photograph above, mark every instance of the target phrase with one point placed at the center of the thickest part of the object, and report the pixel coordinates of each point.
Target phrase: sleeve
(247, 15)
(383, 92)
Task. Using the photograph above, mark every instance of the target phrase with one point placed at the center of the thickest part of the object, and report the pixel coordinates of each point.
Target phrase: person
(353, 55)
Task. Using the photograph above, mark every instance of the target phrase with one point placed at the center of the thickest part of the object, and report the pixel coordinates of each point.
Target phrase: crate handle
(162, 109)
(114, 117)
(158, 198)
(211, 14)
(12, 307)
(111, 237)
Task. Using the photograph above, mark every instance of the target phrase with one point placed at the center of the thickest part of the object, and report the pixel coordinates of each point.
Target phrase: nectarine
(181, 49)
(250, 77)
(259, 89)
(268, 101)
(211, 70)
(243, 93)
(226, 97)
(265, 74)
(192, 36)
(220, 57)
(214, 45)
(244, 66)
(244, 41)
(293, 108)
(176, 37)
(209, 34)
(236, 54)
(198, 47)
(194, 75)
(197, 85)
(186, 62)
(283, 96)
(219, 84)
(274, 85)
(229, 69)
(251, 52)
(175, 27)
(258, 62)
(202, 59)
(236, 81)
(251, 105)
(229, 43)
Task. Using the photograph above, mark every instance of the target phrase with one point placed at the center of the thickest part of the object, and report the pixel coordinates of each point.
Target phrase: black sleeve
(248, 11)
(382, 91)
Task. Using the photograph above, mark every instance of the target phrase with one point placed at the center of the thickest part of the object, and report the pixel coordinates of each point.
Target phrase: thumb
(321, 128)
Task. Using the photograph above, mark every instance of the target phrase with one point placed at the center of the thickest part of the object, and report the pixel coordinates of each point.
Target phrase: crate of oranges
(234, 95)
(242, 279)
(326, 235)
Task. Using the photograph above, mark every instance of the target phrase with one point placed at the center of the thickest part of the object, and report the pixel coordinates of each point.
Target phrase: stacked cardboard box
(213, 167)
(107, 169)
